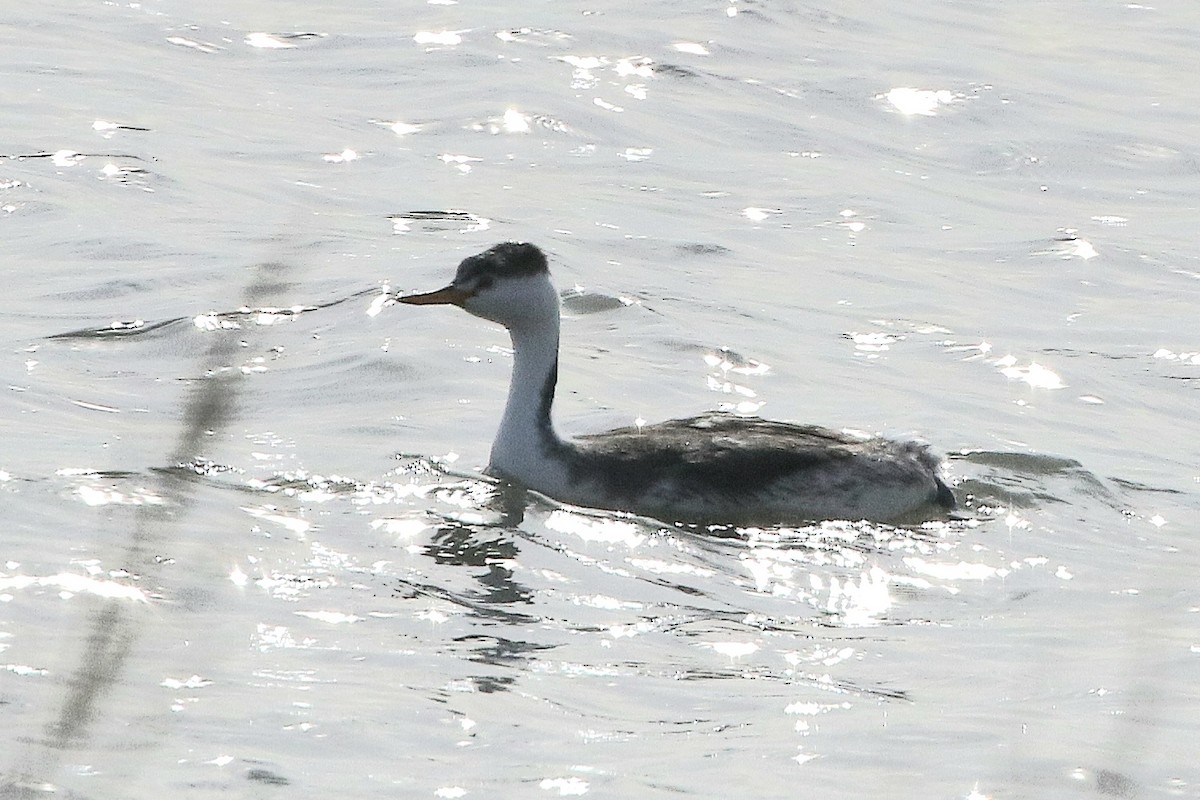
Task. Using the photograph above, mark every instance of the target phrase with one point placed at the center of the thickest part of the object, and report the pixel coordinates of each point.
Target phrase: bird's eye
(484, 282)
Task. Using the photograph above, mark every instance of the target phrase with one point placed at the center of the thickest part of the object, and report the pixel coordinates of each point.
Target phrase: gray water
(245, 549)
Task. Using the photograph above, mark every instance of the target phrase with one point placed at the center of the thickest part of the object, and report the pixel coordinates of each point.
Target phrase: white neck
(526, 442)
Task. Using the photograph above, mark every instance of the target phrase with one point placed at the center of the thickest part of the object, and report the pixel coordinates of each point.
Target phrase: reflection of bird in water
(715, 467)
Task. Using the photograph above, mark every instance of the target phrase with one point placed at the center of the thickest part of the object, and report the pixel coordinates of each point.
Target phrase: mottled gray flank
(725, 468)
(721, 468)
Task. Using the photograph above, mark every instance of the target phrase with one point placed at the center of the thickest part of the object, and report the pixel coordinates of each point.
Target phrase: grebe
(715, 468)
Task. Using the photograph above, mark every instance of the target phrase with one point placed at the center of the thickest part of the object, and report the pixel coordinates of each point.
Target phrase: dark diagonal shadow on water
(113, 628)
(250, 311)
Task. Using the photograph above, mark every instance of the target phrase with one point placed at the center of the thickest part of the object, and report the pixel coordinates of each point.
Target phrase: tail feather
(945, 497)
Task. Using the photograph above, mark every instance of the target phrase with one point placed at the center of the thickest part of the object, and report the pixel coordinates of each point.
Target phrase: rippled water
(245, 545)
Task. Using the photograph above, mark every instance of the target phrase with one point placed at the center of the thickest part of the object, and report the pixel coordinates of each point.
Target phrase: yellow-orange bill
(450, 295)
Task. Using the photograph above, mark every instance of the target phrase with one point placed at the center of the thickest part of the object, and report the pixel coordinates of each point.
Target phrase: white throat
(525, 446)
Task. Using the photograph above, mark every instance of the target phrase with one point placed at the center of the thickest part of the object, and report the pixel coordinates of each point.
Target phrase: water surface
(246, 549)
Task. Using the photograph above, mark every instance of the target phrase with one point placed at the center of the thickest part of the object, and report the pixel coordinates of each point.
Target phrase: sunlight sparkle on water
(813, 709)
(733, 650)
(213, 322)
(670, 567)
(565, 786)
(873, 342)
(271, 637)
(728, 361)
(460, 162)
(1069, 245)
(267, 41)
(728, 387)
(94, 406)
(583, 75)
(1014, 521)
(330, 617)
(512, 121)
(23, 670)
(400, 528)
(628, 631)
(607, 106)
(860, 603)
(515, 122)
(66, 158)
(432, 616)
(273, 515)
(401, 128)
(595, 529)
(1080, 248)
(636, 67)
(194, 682)
(1185, 357)
(71, 584)
(203, 47)
(605, 602)
(443, 38)
(919, 102)
(584, 62)
(381, 301)
(759, 214)
(103, 496)
(960, 571)
(1034, 374)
